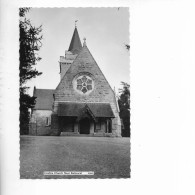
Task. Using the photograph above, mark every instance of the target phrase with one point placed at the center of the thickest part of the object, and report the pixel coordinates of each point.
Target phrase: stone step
(86, 135)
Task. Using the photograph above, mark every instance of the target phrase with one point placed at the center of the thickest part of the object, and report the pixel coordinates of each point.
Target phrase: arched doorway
(85, 126)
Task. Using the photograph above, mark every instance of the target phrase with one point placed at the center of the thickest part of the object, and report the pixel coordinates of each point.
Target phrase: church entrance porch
(84, 126)
(66, 124)
(90, 119)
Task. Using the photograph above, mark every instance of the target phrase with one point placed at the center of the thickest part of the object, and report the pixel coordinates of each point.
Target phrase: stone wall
(65, 62)
(55, 125)
(64, 67)
(38, 123)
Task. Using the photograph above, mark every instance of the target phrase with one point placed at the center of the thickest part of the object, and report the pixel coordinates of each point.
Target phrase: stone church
(82, 103)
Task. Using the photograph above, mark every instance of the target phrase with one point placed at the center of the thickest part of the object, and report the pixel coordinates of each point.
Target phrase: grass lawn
(107, 157)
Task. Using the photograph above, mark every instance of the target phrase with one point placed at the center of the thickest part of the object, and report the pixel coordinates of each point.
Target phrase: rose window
(84, 84)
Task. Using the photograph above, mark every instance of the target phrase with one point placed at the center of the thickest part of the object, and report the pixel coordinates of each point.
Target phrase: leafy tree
(30, 44)
(124, 105)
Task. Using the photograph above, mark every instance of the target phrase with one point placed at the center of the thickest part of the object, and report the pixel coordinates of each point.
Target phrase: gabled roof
(75, 44)
(84, 62)
(86, 111)
(44, 100)
(75, 109)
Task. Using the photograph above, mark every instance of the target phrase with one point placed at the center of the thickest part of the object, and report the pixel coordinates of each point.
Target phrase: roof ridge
(44, 89)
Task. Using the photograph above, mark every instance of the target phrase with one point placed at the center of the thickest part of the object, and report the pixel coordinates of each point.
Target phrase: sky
(106, 31)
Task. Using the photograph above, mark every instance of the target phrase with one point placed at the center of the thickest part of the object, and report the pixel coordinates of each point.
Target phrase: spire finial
(76, 23)
(84, 43)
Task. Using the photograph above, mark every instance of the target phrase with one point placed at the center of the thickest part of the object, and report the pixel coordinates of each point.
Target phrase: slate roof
(75, 44)
(44, 100)
(75, 109)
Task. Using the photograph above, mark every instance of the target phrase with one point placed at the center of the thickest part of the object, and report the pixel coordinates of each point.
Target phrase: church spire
(75, 44)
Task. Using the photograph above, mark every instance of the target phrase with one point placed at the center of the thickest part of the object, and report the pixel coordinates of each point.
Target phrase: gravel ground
(107, 157)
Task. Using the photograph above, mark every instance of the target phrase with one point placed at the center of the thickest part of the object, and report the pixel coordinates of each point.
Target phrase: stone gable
(84, 63)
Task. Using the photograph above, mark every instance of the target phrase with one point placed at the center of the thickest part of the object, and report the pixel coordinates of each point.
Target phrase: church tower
(70, 55)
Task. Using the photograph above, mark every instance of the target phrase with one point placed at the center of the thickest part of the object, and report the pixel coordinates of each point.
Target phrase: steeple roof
(75, 44)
